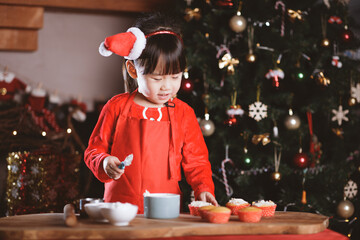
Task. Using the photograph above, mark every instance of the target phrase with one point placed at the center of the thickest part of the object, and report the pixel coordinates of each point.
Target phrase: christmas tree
(276, 87)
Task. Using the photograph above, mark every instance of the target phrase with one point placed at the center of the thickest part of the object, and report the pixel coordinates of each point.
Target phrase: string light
(68, 130)
(43, 133)
(14, 132)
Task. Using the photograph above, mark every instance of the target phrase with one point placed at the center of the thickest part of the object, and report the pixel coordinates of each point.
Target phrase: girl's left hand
(208, 197)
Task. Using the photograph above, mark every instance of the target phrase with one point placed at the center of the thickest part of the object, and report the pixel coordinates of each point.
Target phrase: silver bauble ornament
(292, 122)
(345, 209)
(237, 23)
(207, 127)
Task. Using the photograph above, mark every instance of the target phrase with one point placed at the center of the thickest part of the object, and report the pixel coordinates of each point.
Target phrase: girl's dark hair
(168, 47)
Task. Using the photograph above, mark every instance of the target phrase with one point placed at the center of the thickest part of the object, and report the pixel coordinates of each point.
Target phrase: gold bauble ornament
(352, 101)
(237, 23)
(251, 58)
(345, 209)
(325, 42)
(276, 176)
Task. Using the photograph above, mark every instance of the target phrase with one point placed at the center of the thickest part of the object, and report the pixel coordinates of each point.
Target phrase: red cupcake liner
(268, 211)
(218, 217)
(203, 213)
(253, 216)
(235, 208)
(194, 210)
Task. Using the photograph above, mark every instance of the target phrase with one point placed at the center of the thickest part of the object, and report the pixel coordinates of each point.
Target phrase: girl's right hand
(110, 166)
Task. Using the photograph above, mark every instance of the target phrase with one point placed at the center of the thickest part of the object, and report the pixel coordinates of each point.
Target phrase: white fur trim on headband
(139, 44)
(103, 51)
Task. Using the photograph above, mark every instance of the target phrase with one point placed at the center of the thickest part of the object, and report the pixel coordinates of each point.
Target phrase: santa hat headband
(129, 44)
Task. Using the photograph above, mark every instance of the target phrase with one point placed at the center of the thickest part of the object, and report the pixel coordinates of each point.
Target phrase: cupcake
(235, 204)
(204, 210)
(250, 214)
(195, 205)
(267, 207)
(218, 215)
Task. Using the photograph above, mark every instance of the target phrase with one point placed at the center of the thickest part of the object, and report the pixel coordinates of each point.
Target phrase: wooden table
(51, 226)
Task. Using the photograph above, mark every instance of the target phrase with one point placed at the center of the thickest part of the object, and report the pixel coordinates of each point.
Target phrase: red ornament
(346, 36)
(224, 3)
(301, 160)
(187, 85)
(231, 121)
(335, 20)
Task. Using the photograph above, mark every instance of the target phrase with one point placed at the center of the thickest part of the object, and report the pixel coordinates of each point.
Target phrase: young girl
(150, 125)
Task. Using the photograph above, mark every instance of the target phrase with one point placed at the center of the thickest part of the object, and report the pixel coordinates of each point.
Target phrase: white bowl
(161, 205)
(119, 214)
(93, 210)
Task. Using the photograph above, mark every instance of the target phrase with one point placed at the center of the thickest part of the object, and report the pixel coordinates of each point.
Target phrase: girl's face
(157, 89)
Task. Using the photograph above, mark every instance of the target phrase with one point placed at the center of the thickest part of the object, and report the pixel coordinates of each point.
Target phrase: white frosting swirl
(199, 204)
(237, 201)
(263, 203)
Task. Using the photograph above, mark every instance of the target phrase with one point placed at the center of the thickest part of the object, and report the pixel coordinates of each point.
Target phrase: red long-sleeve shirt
(189, 146)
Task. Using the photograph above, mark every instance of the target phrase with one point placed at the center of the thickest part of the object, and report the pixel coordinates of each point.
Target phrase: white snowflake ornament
(340, 115)
(350, 189)
(258, 110)
(355, 92)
